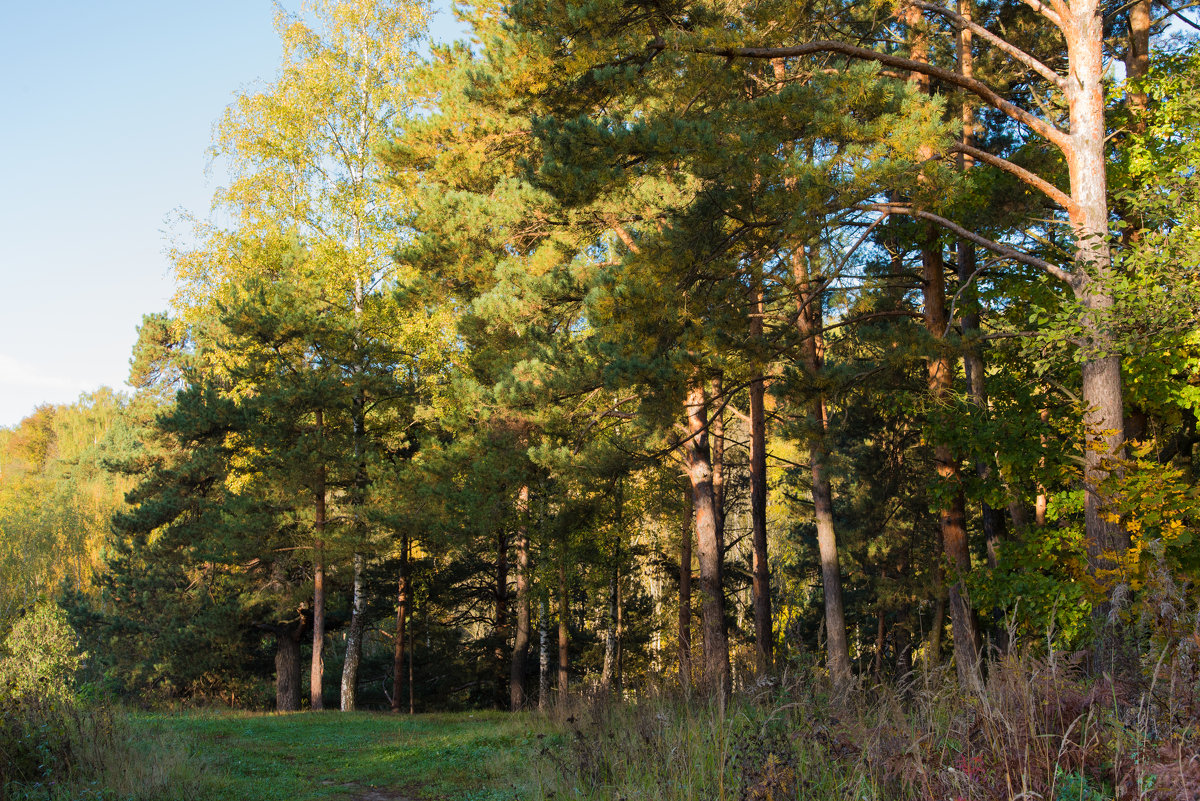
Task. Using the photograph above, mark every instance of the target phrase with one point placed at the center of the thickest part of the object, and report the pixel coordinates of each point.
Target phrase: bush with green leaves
(40, 656)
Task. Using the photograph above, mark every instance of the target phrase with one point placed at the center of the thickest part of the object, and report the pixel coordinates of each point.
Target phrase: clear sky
(108, 109)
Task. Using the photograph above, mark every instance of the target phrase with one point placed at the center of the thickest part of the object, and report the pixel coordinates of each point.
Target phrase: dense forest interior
(660, 348)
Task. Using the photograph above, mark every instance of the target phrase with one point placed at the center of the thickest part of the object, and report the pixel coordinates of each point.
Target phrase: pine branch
(971, 236)
(986, 93)
(983, 33)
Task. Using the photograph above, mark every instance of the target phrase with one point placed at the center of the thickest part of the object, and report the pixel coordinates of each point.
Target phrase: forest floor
(473, 756)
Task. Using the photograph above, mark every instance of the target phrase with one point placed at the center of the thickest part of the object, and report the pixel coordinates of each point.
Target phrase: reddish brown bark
(402, 604)
(685, 595)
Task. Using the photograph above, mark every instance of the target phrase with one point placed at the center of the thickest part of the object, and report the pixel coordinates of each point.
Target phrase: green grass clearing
(475, 756)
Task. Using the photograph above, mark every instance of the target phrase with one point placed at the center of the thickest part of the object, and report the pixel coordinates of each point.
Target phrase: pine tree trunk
(317, 672)
(287, 669)
(520, 655)
(402, 603)
(717, 429)
(761, 586)
(810, 324)
(354, 636)
(1102, 391)
(685, 595)
(500, 632)
(993, 519)
(412, 655)
(710, 550)
(934, 652)
(952, 516)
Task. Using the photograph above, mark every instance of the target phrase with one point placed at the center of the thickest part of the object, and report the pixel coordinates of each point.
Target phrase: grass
(479, 756)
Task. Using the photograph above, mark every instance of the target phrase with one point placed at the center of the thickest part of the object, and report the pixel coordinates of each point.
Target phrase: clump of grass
(53, 749)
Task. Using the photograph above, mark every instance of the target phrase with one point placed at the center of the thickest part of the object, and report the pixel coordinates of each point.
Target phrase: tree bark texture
(543, 656)
(520, 655)
(402, 604)
(354, 636)
(717, 429)
(317, 670)
(287, 668)
(500, 615)
(761, 585)
(685, 594)
(564, 633)
(710, 549)
(810, 324)
(952, 516)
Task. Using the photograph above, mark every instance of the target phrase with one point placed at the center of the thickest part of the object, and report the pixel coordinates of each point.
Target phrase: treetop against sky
(110, 110)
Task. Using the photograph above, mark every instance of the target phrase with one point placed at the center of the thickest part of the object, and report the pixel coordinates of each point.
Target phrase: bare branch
(971, 236)
(1177, 13)
(1045, 187)
(983, 33)
(979, 88)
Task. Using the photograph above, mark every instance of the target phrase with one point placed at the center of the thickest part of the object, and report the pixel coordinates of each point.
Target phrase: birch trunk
(317, 670)
(354, 636)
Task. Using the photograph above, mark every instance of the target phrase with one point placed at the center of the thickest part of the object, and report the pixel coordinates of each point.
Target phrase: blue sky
(108, 111)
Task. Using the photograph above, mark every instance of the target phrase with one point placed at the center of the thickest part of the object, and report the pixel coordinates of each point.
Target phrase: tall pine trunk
(287, 668)
(810, 323)
(402, 604)
(1102, 390)
(520, 655)
(710, 549)
(685, 593)
(952, 517)
(500, 631)
(760, 588)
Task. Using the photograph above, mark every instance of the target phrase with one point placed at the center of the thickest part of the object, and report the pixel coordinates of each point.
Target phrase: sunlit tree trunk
(520, 653)
(809, 322)
(685, 594)
(354, 635)
(317, 672)
(710, 551)
(402, 604)
(761, 583)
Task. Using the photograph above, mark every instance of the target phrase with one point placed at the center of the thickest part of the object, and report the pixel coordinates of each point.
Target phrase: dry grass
(1037, 729)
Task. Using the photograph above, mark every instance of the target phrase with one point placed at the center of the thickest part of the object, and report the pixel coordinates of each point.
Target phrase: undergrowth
(1036, 729)
(52, 750)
